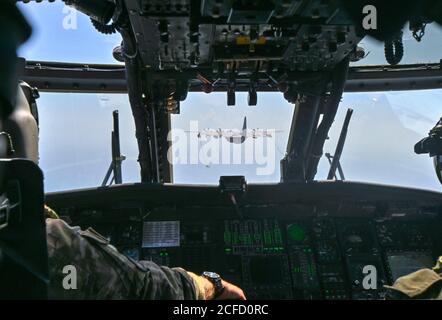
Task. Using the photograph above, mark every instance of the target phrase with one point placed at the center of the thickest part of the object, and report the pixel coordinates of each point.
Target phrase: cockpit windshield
(73, 157)
(379, 147)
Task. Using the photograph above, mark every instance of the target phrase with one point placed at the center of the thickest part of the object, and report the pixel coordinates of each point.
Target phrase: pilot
(422, 284)
(83, 264)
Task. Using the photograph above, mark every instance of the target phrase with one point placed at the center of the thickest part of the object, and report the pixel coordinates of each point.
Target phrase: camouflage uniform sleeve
(83, 265)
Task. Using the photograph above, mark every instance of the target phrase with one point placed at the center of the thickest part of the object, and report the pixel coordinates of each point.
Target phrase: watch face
(211, 275)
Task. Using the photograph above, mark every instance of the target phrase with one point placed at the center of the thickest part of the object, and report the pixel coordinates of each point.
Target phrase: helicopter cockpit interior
(300, 237)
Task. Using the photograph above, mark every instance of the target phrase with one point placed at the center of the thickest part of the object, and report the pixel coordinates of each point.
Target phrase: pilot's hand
(231, 292)
(206, 289)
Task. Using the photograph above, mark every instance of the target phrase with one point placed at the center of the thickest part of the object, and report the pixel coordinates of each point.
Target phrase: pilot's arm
(83, 265)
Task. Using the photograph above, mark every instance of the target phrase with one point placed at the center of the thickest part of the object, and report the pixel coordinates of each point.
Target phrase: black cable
(104, 28)
(394, 50)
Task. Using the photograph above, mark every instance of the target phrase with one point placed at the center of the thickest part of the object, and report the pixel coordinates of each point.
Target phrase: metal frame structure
(77, 77)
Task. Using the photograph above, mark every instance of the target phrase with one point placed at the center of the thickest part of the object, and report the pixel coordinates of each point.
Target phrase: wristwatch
(216, 280)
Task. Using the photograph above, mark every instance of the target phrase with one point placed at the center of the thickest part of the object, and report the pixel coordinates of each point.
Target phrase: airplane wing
(210, 134)
(260, 133)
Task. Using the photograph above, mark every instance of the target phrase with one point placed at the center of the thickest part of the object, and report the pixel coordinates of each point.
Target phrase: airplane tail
(244, 126)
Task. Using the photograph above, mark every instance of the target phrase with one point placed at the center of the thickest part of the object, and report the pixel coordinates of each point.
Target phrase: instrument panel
(324, 240)
(319, 258)
(303, 35)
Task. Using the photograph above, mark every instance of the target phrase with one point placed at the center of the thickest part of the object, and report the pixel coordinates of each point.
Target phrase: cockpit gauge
(358, 238)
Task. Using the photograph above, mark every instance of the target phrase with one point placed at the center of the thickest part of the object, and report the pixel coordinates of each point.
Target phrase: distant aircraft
(237, 136)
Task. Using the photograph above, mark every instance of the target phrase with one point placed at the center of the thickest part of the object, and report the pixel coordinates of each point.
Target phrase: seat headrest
(22, 124)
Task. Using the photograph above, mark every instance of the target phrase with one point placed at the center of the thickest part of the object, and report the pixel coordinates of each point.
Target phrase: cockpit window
(382, 133)
(211, 139)
(75, 138)
(427, 50)
(63, 34)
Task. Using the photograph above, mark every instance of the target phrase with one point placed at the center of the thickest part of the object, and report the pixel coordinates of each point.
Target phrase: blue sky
(75, 128)
(51, 42)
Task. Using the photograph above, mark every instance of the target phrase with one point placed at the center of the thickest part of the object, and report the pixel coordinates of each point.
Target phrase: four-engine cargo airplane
(237, 136)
